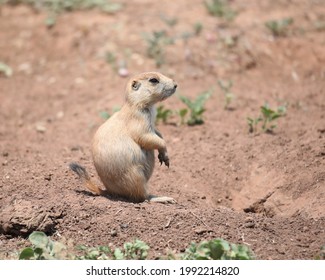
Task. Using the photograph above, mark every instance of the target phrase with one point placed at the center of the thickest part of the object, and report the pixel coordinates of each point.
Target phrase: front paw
(163, 158)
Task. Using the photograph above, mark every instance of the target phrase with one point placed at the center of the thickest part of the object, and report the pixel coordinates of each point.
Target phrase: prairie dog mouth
(168, 93)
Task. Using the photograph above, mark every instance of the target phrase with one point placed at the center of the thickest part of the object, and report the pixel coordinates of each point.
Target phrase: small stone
(40, 128)
(249, 219)
(48, 177)
(113, 232)
(124, 226)
(202, 230)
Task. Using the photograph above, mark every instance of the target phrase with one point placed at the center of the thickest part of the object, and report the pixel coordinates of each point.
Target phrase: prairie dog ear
(135, 85)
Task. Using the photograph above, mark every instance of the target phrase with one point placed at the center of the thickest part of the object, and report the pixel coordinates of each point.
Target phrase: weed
(137, 250)
(220, 8)
(279, 27)
(56, 7)
(252, 124)
(182, 113)
(163, 114)
(196, 107)
(228, 95)
(267, 118)
(156, 41)
(98, 253)
(198, 27)
(170, 21)
(43, 248)
(217, 249)
(5, 69)
(110, 58)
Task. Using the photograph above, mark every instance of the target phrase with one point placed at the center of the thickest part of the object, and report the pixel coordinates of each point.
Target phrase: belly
(113, 157)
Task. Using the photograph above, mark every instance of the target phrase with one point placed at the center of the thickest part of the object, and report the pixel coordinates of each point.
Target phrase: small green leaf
(27, 254)
(118, 254)
(50, 21)
(39, 239)
(5, 69)
(105, 115)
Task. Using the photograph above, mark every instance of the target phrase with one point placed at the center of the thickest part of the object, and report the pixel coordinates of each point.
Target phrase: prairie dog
(123, 147)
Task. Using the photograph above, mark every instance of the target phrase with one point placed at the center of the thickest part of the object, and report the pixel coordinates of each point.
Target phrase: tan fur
(123, 147)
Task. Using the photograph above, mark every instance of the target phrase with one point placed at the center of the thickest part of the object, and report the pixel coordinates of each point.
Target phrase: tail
(83, 175)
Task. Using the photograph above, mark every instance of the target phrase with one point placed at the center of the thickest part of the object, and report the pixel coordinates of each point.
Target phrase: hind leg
(135, 185)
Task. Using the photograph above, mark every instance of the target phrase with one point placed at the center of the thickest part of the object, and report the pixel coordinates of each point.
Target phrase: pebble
(40, 128)
(124, 226)
(202, 230)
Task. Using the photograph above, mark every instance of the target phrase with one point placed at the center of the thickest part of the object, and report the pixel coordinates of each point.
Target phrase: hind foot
(162, 199)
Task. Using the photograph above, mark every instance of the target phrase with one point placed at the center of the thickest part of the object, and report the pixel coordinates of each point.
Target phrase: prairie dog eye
(153, 80)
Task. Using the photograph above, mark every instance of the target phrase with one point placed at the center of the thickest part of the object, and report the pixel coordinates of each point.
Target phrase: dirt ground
(261, 189)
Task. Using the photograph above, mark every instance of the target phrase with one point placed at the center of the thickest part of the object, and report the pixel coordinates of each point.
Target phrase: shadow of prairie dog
(123, 147)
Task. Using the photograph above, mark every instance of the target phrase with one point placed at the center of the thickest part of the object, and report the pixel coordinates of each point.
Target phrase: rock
(202, 230)
(40, 128)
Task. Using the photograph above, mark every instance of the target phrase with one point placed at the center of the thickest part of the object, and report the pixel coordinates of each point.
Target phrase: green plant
(216, 249)
(170, 21)
(5, 69)
(163, 114)
(43, 248)
(220, 8)
(110, 58)
(156, 42)
(137, 250)
(56, 7)
(228, 95)
(182, 113)
(196, 107)
(252, 124)
(267, 118)
(279, 27)
(198, 27)
(98, 253)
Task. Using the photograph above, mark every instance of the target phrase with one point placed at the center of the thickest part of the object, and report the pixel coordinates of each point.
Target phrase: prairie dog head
(148, 88)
